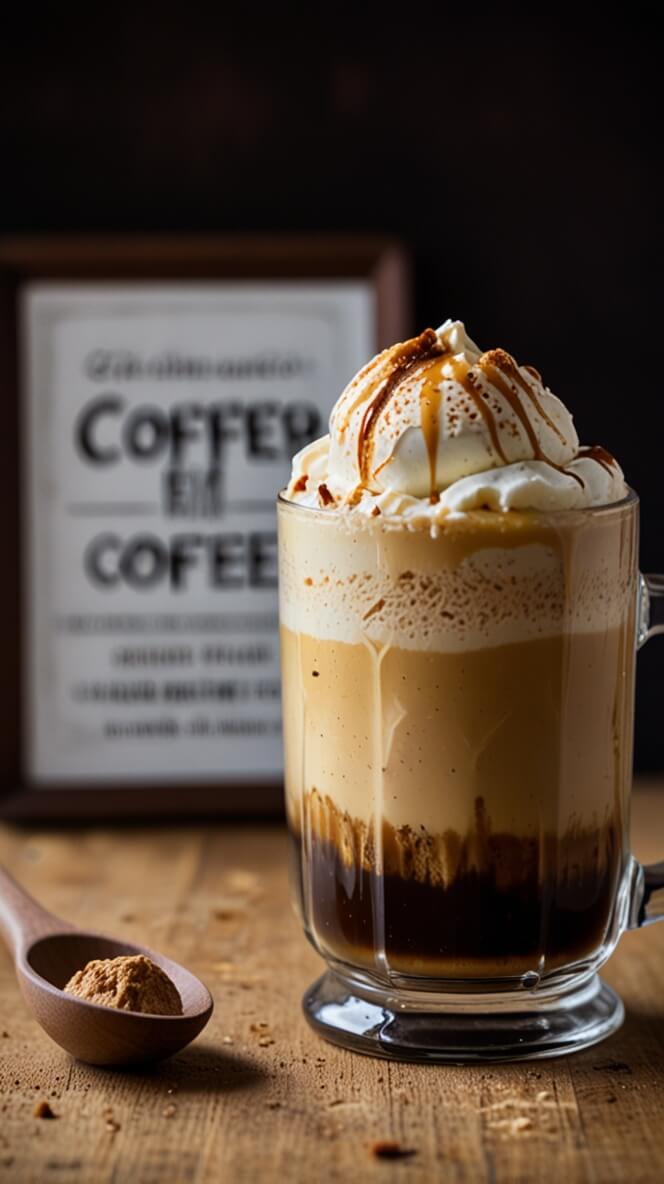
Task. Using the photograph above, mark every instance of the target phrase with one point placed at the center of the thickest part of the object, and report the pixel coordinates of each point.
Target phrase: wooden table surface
(259, 1096)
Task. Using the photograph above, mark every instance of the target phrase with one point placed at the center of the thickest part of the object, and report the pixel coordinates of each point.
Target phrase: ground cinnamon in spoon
(130, 983)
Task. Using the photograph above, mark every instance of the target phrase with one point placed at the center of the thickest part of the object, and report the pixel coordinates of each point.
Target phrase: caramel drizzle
(495, 378)
(409, 355)
(468, 381)
(431, 396)
(380, 367)
(499, 370)
(600, 455)
(377, 370)
(509, 367)
(497, 366)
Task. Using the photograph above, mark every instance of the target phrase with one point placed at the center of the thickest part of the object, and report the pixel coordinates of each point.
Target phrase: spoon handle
(21, 918)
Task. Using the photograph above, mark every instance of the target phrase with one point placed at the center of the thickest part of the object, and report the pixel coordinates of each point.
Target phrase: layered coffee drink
(457, 653)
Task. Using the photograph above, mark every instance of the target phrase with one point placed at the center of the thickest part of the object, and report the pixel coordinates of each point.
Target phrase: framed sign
(155, 391)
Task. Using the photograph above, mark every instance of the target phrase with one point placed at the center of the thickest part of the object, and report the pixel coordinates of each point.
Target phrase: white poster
(159, 425)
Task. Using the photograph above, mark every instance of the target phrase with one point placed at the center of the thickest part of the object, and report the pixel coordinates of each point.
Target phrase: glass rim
(631, 499)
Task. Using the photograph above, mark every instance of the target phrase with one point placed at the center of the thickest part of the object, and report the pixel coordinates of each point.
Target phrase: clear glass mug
(458, 720)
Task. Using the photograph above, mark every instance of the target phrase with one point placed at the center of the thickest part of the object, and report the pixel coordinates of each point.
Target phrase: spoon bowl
(48, 952)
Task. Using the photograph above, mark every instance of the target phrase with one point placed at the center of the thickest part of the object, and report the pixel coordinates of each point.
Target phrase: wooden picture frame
(375, 265)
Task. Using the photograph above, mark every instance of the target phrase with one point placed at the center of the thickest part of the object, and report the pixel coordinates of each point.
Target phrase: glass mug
(458, 719)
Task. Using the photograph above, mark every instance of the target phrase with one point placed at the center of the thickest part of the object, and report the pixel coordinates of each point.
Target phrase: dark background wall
(519, 162)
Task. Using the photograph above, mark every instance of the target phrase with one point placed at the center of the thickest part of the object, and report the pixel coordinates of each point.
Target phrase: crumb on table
(43, 1110)
(390, 1149)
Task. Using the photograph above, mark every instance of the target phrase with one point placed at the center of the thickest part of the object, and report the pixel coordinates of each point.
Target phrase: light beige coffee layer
(539, 730)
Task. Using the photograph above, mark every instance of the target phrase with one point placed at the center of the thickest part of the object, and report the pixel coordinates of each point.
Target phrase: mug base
(457, 1030)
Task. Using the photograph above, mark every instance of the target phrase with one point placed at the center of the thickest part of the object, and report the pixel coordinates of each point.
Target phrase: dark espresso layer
(500, 901)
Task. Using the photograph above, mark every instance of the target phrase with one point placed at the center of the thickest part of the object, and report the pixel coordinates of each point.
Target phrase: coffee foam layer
(371, 586)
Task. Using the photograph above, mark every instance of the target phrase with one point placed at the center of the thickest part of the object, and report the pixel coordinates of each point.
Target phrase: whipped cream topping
(432, 426)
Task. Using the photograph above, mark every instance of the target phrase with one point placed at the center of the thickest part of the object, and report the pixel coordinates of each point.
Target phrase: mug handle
(647, 903)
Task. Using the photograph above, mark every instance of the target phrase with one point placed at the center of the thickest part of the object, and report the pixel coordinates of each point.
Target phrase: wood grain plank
(259, 1095)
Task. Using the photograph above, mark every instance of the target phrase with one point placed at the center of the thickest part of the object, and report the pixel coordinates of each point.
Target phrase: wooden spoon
(47, 951)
